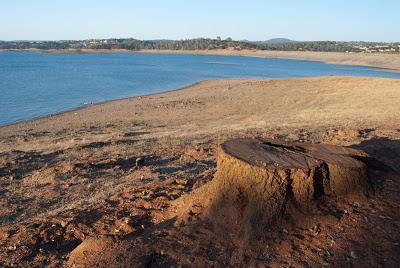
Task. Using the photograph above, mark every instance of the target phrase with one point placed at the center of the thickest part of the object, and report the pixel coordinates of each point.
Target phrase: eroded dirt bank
(112, 175)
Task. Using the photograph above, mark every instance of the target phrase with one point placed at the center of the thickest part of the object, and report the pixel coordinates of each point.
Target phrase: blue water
(35, 84)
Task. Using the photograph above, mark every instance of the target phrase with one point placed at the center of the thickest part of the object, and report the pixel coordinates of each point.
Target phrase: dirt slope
(106, 184)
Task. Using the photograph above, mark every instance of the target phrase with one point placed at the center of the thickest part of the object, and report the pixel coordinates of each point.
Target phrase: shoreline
(155, 94)
(196, 98)
(225, 52)
(388, 62)
(79, 108)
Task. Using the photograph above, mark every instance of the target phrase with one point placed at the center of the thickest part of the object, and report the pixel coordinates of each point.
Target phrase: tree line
(192, 44)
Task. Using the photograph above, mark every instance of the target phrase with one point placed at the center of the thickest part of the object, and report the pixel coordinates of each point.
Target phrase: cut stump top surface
(277, 154)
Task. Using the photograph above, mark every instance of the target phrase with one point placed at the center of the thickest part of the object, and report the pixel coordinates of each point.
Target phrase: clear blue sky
(368, 20)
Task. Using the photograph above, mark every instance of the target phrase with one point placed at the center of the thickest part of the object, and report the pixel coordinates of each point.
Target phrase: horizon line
(185, 39)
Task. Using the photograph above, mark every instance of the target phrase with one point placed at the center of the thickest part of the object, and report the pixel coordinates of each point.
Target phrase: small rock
(285, 231)
(181, 182)
(139, 161)
(12, 248)
(353, 255)
(328, 253)
(317, 229)
(385, 217)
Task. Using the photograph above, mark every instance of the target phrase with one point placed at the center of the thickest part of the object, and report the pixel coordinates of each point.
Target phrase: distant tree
(200, 43)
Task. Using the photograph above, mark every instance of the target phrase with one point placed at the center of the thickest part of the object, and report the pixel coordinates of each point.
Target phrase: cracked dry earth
(112, 203)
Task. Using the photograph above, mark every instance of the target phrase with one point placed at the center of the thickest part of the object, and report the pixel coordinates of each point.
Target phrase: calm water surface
(35, 84)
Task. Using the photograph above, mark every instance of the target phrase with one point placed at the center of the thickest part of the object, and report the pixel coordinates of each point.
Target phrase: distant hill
(279, 41)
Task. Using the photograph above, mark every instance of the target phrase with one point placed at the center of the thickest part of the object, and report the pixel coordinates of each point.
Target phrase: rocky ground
(102, 186)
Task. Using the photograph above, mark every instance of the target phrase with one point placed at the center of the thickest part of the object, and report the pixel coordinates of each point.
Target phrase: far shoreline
(384, 61)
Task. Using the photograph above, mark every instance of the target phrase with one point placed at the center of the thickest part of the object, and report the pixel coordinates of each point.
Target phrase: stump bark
(257, 180)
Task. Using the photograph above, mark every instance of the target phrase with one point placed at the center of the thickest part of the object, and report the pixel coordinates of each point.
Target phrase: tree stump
(271, 172)
(257, 179)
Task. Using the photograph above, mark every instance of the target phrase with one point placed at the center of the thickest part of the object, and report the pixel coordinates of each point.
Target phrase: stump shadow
(384, 150)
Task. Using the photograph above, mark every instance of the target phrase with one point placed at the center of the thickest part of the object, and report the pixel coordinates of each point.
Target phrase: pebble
(317, 229)
(353, 255)
(12, 248)
(181, 182)
(139, 161)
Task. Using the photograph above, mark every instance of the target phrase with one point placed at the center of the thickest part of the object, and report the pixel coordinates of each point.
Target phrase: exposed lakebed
(35, 84)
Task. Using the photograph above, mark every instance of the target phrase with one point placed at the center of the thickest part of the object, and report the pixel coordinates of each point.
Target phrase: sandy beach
(88, 186)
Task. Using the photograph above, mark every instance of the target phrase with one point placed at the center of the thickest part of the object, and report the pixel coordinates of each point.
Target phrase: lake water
(35, 84)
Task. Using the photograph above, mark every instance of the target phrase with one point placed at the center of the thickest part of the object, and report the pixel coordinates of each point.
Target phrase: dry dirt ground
(102, 186)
